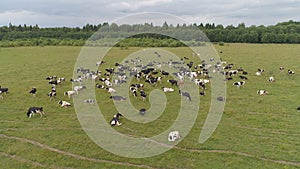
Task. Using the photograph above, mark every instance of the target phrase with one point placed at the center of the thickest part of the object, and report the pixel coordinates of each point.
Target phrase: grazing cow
(138, 85)
(115, 121)
(164, 73)
(133, 90)
(143, 94)
(53, 82)
(167, 89)
(110, 70)
(111, 90)
(117, 98)
(243, 77)
(100, 86)
(173, 82)
(229, 66)
(100, 63)
(79, 88)
(185, 94)
(259, 72)
(281, 68)
(201, 83)
(51, 95)
(202, 93)
(33, 91)
(271, 79)
(173, 136)
(53, 89)
(290, 72)
(232, 72)
(245, 73)
(70, 93)
(262, 92)
(107, 83)
(239, 84)
(3, 90)
(51, 77)
(190, 65)
(61, 80)
(76, 80)
(152, 80)
(298, 108)
(64, 103)
(229, 78)
(240, 69)
(35, 110)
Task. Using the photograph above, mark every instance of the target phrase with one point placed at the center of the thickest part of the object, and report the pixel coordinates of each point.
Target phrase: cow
(35, 110)
(173, 136)
(115, 121)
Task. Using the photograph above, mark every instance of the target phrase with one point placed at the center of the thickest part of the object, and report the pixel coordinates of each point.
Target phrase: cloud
(80, 12)
(136, 5)
(18, 17)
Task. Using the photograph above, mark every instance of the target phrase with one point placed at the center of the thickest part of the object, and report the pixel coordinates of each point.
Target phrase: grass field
(255, 131)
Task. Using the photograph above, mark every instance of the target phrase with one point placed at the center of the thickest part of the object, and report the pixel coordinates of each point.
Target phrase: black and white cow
(100, 86)
(243, 77)
(33, 91)
(51, 95)
(173, 136)
(133, 90)
(64, 103)
(291, 72)
(53, 82)
(110, 90)
(271, 79)
(165, 73)
(173, 82)
(143, 94)
(3, 90)
(35, 110)
(262, 92)
(185, 94)
(115, 121)
(259, 72)
(70, 93)
(167, 89)
(239, 84)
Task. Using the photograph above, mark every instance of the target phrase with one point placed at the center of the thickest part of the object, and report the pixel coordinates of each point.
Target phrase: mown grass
(265, 128)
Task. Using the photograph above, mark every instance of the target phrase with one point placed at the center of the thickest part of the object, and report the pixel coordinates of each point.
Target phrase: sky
(73, 13)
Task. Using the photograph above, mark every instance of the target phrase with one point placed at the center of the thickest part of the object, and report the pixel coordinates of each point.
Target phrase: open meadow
(254, 132)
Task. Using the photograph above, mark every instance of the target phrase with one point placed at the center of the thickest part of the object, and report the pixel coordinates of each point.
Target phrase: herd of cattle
(151, 74)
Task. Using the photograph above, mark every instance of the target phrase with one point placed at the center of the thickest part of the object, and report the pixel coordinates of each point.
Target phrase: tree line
(165, 35)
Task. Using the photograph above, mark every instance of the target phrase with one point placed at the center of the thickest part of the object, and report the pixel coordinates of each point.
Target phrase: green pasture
(255, 131)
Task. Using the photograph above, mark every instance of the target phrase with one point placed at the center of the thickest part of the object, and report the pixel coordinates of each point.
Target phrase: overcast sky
(56, 13)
